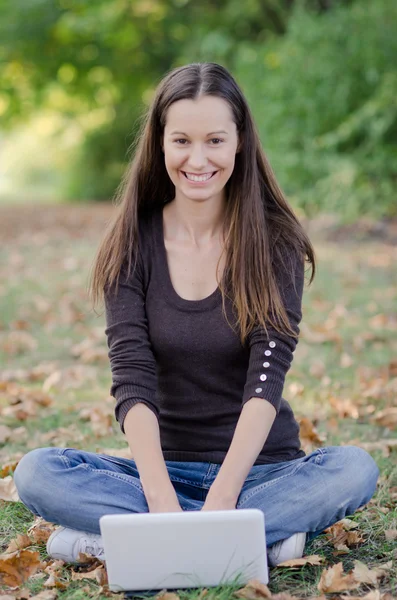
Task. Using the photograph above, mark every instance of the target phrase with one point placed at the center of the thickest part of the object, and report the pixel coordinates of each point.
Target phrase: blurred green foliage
(319, 75)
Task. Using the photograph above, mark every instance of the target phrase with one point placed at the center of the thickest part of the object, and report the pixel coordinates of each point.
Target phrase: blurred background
(320, 76)
(76, 76)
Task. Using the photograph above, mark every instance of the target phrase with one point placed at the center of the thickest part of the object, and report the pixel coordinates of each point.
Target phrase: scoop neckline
(206, 303)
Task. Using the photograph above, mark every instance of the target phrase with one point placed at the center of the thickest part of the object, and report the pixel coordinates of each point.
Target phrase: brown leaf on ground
(385, 446)
(55, 582)
(19, 543)
(284, 596)
(387, 418)
(41, 530)
(344, 407)
(391, 534)
(18, 342)
(253, 590)
(71, 377)
(317, 334)
(8, 468)
(383, 568)
(393, 368)
(45, 595)
(8, 490)
(308, 432)
(16, 568)
(341, 536)
(53, 570)
(335, 580)
(5, 434)
(167, 596)
(314, 559)
(364, 574)
(372, 595)
(99, 574)
(88, 351)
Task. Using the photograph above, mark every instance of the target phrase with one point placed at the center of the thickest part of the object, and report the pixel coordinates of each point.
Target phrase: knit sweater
(185, 362)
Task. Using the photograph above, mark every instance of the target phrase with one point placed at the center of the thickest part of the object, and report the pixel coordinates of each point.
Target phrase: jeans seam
(64, 458)
(118, 476)
(266, 484)
(179, 480)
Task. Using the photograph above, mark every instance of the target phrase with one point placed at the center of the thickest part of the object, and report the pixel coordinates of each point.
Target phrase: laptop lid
(153, 551)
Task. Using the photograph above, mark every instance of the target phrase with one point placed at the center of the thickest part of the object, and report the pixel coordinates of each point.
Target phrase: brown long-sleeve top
(184, 361)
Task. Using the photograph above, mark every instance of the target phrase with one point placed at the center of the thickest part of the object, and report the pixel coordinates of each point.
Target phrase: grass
(348, 343)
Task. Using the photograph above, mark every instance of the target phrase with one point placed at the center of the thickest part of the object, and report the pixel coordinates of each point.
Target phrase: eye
(180, 140)
(217, 140)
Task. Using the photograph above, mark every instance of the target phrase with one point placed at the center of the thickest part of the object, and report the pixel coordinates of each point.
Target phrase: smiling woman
(213, 240)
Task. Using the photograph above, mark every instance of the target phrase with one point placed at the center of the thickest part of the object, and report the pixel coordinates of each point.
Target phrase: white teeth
(199, 178)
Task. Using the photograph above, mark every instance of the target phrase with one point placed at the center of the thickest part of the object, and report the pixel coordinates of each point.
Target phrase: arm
(134, 385)
(261, 398)
(142, 431)
(254, 424)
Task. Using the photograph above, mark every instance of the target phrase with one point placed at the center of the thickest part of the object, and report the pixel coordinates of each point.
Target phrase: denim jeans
(74, 488)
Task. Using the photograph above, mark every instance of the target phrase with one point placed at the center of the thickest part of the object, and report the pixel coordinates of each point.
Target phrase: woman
(202, 272)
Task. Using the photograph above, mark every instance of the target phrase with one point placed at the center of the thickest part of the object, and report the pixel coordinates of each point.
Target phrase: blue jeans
(75, 488)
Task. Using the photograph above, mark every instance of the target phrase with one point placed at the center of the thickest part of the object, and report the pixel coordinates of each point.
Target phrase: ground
(55, 380)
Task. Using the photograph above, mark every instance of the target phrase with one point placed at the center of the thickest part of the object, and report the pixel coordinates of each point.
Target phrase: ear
(239, 145)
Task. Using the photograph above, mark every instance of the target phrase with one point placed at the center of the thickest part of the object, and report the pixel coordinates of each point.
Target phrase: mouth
(199, 179)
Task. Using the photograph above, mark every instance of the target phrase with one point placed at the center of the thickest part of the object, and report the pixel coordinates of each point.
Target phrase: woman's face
(200, 144)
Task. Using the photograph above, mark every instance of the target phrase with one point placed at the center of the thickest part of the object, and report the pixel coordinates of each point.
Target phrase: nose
(197, 159)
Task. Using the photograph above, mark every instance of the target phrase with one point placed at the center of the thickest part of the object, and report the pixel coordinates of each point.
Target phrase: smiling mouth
(199, 178)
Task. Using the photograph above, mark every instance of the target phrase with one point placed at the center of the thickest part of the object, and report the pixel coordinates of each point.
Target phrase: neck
(200, 224)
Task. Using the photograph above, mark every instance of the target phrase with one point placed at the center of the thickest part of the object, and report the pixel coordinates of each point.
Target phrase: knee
(30, 470)
(361, 471)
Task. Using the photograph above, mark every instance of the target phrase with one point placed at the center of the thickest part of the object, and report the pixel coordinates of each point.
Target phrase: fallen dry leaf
(341, 536)
(41, 530)
(167, 596)
(5, 434)
(391, 534)
(285, 596)
(8, 491)
(372, 595)
(18, 567)
(19, 543)
(385, 446)
(46, 595)
(253, 590)
(8, 468)
(344, 407)
(364, 574)
(314, 559)
(335, 580)
(18, 342)
(387, 418)
(308, 432)
(55, 582)
(99, 574)
(53, 570)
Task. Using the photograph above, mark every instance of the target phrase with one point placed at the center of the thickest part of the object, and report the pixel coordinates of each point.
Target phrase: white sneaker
(287, 549)
(66, 544)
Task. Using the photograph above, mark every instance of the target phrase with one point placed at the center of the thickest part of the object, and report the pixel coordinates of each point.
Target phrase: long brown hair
(260, 227)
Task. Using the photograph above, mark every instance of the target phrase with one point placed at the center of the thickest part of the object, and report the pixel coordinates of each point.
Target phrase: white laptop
(153, 551)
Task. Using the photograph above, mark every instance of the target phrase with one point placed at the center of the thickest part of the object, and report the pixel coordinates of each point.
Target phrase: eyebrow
(211, 133)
